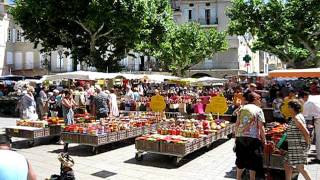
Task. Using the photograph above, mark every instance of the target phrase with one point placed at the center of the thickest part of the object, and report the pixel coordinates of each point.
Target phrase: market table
(180, 150)
(33, 133)
(106, 138)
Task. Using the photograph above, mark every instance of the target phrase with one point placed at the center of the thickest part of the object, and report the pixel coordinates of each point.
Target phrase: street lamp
(60, 51)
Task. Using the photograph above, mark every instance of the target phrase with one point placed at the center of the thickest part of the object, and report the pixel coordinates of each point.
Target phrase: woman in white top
(114, 111)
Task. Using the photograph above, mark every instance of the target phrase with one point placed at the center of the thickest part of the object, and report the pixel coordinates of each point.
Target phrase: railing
(204, 22)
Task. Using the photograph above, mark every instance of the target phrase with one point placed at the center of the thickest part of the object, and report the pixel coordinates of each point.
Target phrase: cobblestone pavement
(216, 163)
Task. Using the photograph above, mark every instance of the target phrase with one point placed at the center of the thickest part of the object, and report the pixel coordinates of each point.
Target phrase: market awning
(296, 73)
(81, 75)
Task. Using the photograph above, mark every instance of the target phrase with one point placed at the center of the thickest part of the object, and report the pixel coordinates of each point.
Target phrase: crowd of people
(245, 102)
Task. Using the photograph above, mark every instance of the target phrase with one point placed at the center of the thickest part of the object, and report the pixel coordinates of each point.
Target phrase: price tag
(157, 103)
(16, 130)
(218, 104)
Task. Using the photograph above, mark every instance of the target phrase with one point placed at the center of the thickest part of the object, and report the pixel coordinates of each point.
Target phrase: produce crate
(70, 137)
(146, 130)
(195, 145)
(55, 130)
(112, 137)
(131, 133)
(153, 128)
(139, 131)
(276, 161)
(122, 135)
(183, 149)
(140, 144)
(152, 146)
(202, 142)
(208, 139)
(214, 136)
(46, 132)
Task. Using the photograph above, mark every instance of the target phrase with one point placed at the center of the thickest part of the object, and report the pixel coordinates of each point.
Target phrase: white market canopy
(88, 75)
(211, 80)
(296, 73)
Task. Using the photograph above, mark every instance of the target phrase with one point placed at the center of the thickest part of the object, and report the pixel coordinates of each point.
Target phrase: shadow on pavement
(29, 143)
(84, 150)
(273, 174)
(168, 162)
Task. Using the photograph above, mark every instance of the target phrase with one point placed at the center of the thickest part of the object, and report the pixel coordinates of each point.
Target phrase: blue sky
(10, 1)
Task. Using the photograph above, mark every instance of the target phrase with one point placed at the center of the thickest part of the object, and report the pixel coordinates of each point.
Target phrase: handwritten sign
(157, 103)
(218, 104)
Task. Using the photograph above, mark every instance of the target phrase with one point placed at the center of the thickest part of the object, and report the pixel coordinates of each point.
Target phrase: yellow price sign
(157, 103)
(218, 104)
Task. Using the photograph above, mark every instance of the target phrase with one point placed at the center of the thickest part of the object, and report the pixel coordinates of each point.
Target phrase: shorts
(249, 152)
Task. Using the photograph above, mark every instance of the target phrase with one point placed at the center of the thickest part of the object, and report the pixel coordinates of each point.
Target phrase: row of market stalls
(177, 136)
(155, 78)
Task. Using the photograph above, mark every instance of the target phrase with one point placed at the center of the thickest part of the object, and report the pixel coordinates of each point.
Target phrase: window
(190, 15)
(9, 58)
(29, 60)
(207, 15)
(59, 64)
(69, 65)
(207, 4)
(9, 35)
(19, 35)
(18, 60)
(191, 4)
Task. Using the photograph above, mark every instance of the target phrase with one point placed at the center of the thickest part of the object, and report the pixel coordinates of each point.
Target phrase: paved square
(118, 158)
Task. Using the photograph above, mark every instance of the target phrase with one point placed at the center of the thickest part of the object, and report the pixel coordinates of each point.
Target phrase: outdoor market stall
(110, 130)
(34, 130)
(296, 73)
(185, 136)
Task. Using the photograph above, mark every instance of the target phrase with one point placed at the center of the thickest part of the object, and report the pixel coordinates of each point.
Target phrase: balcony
(175, 4)
(213, 22)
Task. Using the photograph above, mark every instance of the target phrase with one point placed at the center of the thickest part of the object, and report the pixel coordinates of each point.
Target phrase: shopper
(128, 97)
(276, 104)
(101, 104)
(42, 100)
(298, 142)
(114, 111)
(250, 137)
(13, 166)
(28, 104)
(311, 111)
(68, 104)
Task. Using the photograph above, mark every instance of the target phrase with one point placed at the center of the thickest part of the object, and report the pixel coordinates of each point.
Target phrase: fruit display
(274, 131)
(84, 118)
(29, 123)
(55, 121)
(165, 138)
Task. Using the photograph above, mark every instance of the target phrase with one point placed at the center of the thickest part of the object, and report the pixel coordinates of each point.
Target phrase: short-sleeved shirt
(13, 166)
(101, 101)
(248, 118)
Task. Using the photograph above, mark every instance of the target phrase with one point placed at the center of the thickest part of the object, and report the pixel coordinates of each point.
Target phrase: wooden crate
(121, 135)
(146, 130)
(152, 146)
(139, 131)
(208, 139)
(140, 144)
(70, 137)
(46, 132)
(131, 133)
(55, 130)
(112, 137)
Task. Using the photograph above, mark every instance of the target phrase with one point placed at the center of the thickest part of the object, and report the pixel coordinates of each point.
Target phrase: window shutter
(18, 61)
(29, 60)
(9, 58)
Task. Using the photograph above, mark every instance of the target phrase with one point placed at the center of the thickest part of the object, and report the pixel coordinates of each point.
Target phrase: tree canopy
(187, 45)
(98, 32)
(289, 29)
